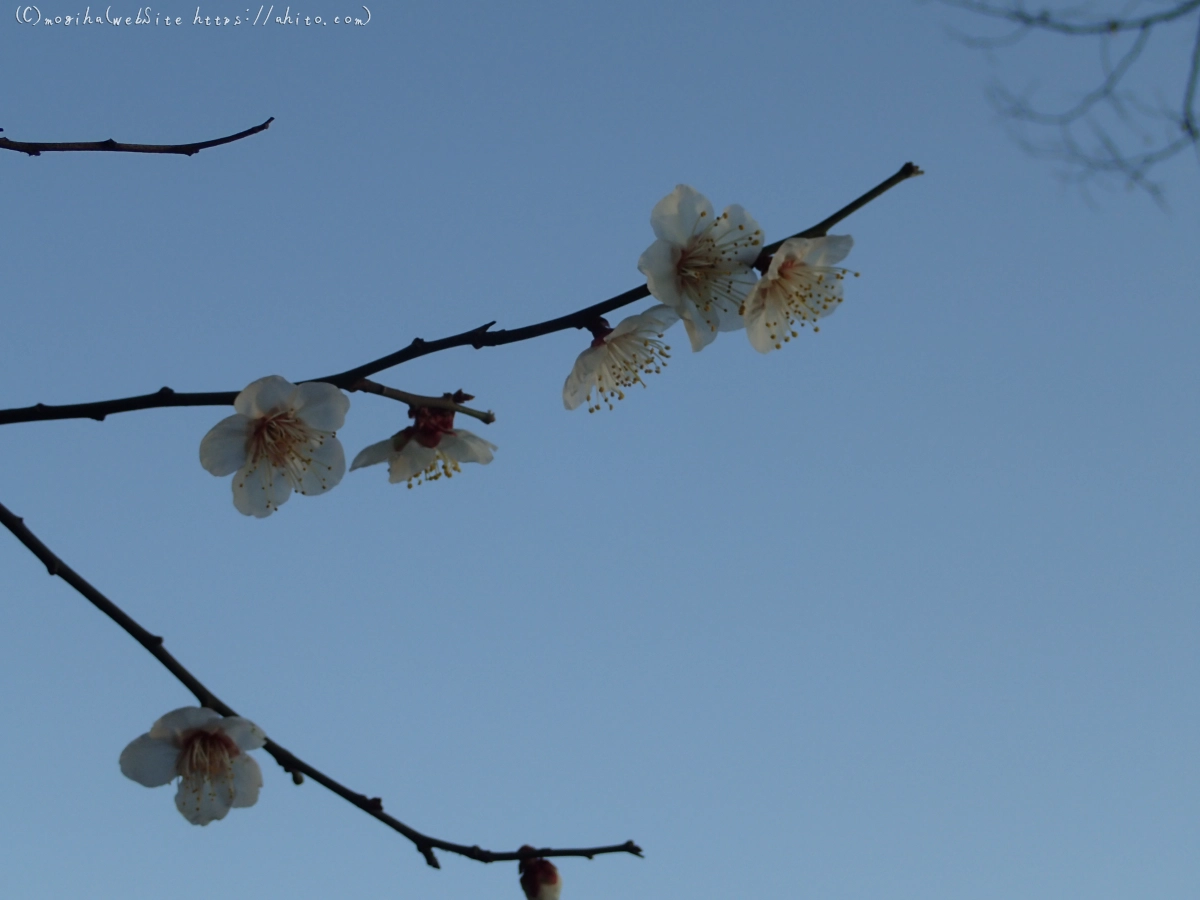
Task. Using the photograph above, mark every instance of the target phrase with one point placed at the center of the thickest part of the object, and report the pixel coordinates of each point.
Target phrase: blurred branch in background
(1119, 128)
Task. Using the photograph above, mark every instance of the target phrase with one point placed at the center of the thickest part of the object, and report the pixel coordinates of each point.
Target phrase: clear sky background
(905, 610)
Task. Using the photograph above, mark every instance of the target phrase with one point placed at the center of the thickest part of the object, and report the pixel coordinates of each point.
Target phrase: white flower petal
(243, 732)
(321, 406)
(271, 394)
(410, 462)
(261, 490)
(247, 780)
(325, 467)
(202, 800)
(656, 319)
(658, 264)
(763, 323)
(582, 379)
(373, 455)
(680, 215)
(729, 318)
(170, 725)
(822, 251)
(223, 449)
(150, 761)
(464, 446)
(700, 332)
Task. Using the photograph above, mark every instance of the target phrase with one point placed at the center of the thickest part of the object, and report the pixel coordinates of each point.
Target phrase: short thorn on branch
(481, 331)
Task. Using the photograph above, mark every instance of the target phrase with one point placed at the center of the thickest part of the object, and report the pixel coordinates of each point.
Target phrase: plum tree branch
(37, 148)
(479, 337)
(291, 763)
(452, 402)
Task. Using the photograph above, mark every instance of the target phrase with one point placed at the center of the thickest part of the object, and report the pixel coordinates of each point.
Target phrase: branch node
(482, 330)
(375, 804)
(297, 777)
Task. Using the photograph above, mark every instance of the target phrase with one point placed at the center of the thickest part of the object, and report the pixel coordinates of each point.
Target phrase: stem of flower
(446, 401)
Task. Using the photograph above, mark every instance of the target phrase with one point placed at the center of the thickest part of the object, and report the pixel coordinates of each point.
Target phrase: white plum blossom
(426, 450)
(282, 438)
(801, 284)
(618, 357)
(702, 265)
(207, 753)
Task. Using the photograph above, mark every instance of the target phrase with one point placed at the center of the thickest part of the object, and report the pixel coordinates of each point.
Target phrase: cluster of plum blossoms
(283, 437)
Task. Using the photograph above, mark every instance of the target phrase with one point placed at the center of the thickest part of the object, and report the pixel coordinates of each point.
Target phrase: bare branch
(111, 146)
(479, 337)
(1096, 151)
(1045, 21)
(452, 402)
(291, 763)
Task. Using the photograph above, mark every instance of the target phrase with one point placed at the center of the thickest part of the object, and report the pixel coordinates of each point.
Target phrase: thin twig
(479, 337)
(447, 401)
(1103, 154)
(37, 148)
(1044, 21)
(425, 844)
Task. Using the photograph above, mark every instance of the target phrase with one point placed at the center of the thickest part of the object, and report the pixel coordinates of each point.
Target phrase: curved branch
(479, 337)
(291, 763)
(1017, 109)
(37, 148)
(1044, 21)
(1097, 151)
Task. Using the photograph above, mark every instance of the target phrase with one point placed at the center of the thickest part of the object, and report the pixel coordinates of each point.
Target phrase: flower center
(206, 753)
(275, 438)
(430, 425)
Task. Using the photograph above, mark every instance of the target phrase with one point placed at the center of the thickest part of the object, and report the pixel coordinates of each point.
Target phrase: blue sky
(906, 609)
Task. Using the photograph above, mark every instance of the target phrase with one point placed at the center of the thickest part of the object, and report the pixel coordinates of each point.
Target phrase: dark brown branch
(110, 146)
(479, 337)
(425, 844)
(163, 397)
